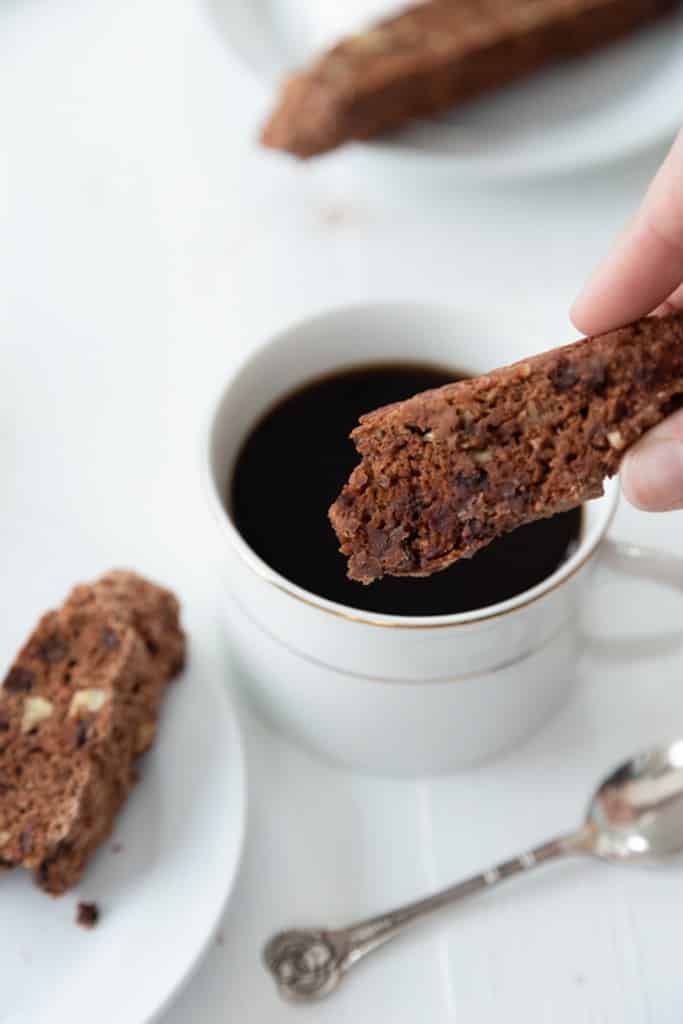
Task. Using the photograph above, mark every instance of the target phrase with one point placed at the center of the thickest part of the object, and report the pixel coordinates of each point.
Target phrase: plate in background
(161, 881)
(612, 103)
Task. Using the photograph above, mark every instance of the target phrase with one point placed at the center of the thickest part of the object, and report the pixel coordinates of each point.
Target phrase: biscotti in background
(433, 56)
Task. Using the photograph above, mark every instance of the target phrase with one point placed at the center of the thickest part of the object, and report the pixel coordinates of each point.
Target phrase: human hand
(644, 273)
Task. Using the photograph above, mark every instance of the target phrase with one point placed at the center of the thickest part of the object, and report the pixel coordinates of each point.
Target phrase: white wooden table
(146, 243)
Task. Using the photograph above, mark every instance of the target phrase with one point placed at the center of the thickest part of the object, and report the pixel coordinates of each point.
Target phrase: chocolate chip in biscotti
(73, 706)
(18, 680)
(492, 453)
(433, 56)
(109, 638)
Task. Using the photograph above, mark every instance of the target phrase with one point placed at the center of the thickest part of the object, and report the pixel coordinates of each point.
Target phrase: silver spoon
(636, 815)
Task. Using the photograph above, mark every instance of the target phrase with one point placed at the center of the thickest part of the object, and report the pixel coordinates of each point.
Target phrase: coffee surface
(291, 468)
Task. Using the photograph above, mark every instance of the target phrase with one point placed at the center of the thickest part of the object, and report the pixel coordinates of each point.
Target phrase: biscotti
(447, 471)
(77, 708)
(433, 56)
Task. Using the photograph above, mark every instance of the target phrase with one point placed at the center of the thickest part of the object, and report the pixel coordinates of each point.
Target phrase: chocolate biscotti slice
(447, 471)
(431, 57)
(77, 708)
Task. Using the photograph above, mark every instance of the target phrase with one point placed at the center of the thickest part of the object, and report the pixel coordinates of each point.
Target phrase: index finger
(646, 264)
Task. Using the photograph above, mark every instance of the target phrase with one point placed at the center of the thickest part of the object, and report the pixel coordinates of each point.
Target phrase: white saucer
(612, 103)
(161, 882)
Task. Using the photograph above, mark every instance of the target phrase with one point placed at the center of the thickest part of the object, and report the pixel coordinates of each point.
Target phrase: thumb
(652, 470)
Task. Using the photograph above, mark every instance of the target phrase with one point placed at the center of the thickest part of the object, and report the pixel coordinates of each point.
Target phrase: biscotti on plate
(444, 473)
(77, 708)
(433, 56)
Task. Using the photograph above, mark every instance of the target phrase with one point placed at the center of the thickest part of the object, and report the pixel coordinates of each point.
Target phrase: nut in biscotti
(78, 706)
(447, 471)
(434, 55)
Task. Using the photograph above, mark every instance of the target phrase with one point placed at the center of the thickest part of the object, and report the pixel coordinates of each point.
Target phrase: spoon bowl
(637, 813)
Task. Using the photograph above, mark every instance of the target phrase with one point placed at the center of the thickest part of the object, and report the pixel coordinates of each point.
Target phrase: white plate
(161, 895)
(615, 102)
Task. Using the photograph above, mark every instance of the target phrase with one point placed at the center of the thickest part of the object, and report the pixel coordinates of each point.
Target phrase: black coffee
(293, 465)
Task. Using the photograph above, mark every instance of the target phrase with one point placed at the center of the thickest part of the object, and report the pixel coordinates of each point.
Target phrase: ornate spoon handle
(308, 964)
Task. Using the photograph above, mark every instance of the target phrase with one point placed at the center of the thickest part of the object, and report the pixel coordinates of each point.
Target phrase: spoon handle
(309, 964)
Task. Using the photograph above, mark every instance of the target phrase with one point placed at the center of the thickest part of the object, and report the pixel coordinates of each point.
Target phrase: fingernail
(652, 474)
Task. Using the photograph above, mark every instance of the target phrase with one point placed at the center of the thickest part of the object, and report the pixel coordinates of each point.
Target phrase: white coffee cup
(380, 693)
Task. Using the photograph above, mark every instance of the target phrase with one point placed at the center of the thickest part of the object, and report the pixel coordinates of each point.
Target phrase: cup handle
(650, 564)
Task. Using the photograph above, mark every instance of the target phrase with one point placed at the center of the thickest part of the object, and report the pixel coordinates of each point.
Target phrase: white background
(146, 243)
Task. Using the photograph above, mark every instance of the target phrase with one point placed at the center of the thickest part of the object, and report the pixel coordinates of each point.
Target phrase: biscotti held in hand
(444, 473)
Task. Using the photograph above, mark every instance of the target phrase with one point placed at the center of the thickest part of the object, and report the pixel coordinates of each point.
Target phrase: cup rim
(584, 552)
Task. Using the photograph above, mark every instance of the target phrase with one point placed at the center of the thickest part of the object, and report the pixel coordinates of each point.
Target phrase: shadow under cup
(388, 694)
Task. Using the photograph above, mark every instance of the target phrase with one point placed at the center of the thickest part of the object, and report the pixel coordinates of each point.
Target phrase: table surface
(147, 244)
